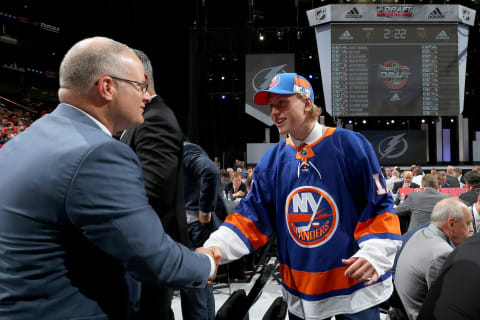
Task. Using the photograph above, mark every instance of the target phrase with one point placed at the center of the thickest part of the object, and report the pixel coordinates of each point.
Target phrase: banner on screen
(259, 71)
(398, 147)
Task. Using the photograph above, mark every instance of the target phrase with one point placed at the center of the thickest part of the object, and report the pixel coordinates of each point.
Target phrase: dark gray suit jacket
(74, 216)
(419, 206)
(453, 181)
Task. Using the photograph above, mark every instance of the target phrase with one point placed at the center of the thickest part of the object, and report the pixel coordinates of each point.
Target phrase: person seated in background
(250, 171)
(457, 172)
(388, 173)
(394, 178)
(433, 171)
(475, 168)
(442, 180)
(249, 182)
(452, 181)
(450, 170)
(237, 188)
(406, 183)
(224, 180)
(230, 172)
(419, 205)
(475, 210)
(454, 295)
(424, 254)
(418, 174)
(242, 173)
(472, 182)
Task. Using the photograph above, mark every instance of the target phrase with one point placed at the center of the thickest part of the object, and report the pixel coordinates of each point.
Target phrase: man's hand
(204, 219)
(360, 269)
(216, 254)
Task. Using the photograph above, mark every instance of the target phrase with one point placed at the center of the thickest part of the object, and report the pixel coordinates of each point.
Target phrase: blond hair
(316, 111)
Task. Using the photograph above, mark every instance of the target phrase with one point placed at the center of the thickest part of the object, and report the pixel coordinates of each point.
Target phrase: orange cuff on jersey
(249, 229)
(385, 223)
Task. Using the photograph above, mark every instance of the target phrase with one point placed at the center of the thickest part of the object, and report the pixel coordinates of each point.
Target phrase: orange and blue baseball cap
(285, 83)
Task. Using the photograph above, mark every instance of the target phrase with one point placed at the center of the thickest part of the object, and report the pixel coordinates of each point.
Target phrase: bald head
(447, 208)
(453, 217)
(88, 60)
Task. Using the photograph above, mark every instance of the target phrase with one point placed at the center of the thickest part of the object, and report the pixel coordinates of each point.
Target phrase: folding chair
(237, 305)
(277, 310)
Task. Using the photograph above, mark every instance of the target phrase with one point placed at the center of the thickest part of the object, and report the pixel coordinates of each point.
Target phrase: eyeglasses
(142, 86)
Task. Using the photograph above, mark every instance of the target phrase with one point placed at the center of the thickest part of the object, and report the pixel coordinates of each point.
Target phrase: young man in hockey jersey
(322, 193)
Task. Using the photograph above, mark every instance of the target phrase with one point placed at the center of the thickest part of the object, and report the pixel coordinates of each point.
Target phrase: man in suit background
(454, 296)
(472, 182)
(457, 172)
(442, 180)
(237, 189)
(202, 179)
(419, 205)
(74, 214)
(406, 183)
(424, 254)
(158, 143)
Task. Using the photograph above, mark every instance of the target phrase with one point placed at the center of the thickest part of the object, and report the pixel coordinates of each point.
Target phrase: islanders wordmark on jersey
(311, 215)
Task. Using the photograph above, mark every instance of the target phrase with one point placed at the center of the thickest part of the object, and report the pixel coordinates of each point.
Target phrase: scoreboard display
(394, 70)
(392, 59)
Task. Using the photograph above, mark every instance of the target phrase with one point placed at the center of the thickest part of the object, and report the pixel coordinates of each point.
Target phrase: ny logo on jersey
(311, 215)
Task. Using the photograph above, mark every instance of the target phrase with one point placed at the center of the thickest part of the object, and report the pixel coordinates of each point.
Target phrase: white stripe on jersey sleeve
(379, 252)
(233, 248)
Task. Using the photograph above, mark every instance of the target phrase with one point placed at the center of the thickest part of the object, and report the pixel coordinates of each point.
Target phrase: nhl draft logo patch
(311, 215)
(274, 82)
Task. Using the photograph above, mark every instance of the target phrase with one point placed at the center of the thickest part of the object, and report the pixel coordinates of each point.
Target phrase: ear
(450, 222)
(105, 88)
(308, 105)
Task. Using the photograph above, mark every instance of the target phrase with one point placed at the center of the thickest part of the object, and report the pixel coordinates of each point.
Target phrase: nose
(147, 97)
(273, 111)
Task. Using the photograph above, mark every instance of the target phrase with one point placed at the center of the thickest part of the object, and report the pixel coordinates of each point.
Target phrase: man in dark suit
(419, 205)
(442, 180)
(472, 182)
(74, 214)
(202, 179)
(158, 143)
(454, 295)
(453, 181)
(237, 189)
(406, 183)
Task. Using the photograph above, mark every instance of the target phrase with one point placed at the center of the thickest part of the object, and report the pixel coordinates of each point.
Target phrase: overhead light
(423, 120)
(280, 34)
(364, 121)
(260, 36)
(299, 34)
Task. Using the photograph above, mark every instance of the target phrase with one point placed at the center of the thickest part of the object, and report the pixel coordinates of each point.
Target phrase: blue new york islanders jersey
(325, 201)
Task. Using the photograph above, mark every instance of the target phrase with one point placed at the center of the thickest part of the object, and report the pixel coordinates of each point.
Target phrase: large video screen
(394, 70)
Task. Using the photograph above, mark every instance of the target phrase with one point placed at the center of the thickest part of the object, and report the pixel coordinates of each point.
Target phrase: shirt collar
(99, 124)
(317, 131)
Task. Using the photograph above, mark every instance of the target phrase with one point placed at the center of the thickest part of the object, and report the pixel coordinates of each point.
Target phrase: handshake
(216, 254)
